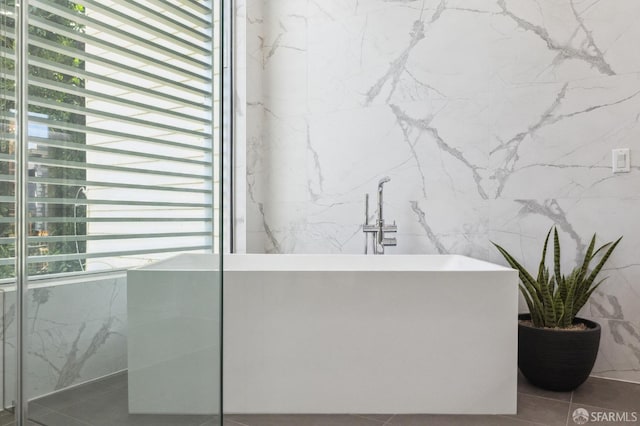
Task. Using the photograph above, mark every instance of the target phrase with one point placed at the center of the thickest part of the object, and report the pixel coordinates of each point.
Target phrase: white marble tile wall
(240, 126)
(76, 331)
(494, 119)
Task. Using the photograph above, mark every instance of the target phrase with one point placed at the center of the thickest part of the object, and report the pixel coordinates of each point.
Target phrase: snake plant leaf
(583, 284)
(558, 306)
(531, 288)
(541, 268)
(525, 277)
(597, 269)
(547, 301)
(602, 247)
(527, 298)
(571, 283)
(562, 286)
(556, 252)
(562, 317)
(533, 309)
(549, 278)
(585, 296)
(587, 258)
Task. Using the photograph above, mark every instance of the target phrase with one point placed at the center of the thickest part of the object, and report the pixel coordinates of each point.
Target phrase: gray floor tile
(231, 421)
(58, 419)
(6, 419)
(40, 414)
(61, 400)
(115, 381)
(542, 410)
(455, 420)
(49, 417)
(111, 408)
(302, 420)
(36, 410)
(525, 387)
(216, 422)
(227, 422)
(382, 418)
(104, 403)
(608, 394)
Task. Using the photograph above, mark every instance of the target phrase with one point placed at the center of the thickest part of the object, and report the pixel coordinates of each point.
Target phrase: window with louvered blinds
(123, 139)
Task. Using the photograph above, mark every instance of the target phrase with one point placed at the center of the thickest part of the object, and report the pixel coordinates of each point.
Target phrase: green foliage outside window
(61, 227)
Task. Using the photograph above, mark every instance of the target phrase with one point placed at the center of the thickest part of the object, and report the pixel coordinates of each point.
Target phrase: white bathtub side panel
(370, 342)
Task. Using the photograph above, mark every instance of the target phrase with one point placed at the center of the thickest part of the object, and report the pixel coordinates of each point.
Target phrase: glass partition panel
(7, 141)
(7, 209)
(123, 303)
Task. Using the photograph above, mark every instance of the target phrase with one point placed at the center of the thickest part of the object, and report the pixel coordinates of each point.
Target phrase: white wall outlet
(621, 161)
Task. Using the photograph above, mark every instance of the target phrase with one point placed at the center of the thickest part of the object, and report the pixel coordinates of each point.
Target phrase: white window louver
(121, 133)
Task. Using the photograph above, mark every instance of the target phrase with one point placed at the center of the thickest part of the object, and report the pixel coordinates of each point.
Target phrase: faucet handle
(390, 228)
(370, 228)
(389, 242)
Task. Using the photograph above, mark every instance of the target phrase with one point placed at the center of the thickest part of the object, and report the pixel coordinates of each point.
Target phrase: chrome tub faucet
(379, 229)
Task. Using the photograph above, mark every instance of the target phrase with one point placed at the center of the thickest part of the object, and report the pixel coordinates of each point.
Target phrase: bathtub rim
(259, 262)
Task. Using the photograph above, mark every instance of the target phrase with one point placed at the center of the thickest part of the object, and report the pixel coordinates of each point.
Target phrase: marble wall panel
(495, 119)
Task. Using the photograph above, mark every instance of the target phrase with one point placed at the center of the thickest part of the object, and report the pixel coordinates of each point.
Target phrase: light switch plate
(620, 160)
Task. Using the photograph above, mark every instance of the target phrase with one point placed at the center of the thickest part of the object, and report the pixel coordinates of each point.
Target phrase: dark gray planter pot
(557, 360)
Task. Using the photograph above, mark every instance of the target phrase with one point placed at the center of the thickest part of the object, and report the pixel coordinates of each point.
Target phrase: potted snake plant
(556, 349)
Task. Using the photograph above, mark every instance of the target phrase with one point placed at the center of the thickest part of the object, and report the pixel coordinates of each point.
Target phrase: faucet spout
(382, 182)
(380, 223)
(380, 190)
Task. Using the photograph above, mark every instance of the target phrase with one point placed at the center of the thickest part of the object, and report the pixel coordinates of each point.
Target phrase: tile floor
(104, 403)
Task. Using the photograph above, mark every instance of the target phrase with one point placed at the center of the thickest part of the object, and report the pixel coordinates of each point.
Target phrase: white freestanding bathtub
(327, 334)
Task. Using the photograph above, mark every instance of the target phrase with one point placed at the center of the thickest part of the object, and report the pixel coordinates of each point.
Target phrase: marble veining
(494, 121)
(425, 127)
(76, 332)
(510, 147)
(427, 229)
(589, 52)
(552, 210)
